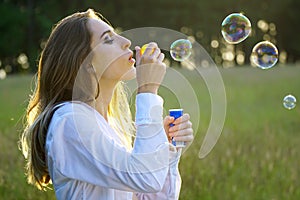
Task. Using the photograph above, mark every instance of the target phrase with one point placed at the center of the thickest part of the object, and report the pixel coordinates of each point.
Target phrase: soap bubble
(289, 102)
(264, 55)
(181, 49)
(236, 27)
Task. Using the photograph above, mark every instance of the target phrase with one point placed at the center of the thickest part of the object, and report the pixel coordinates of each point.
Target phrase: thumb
(138, 55)
(167, 121)
(170, 119)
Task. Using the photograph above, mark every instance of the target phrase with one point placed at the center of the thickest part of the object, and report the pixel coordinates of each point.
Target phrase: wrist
(148, 88)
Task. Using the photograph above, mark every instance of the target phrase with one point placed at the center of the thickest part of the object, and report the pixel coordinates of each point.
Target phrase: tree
(26, 24)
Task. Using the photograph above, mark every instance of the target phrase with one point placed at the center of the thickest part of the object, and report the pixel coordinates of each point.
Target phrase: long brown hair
(66, 50)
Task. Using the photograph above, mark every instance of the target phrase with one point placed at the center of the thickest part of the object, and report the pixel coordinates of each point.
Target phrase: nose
(125, 43)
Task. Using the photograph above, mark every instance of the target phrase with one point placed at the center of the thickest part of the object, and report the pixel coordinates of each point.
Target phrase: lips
(131, 59)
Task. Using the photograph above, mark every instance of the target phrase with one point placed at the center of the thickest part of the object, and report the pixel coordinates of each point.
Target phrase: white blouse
(87, 160)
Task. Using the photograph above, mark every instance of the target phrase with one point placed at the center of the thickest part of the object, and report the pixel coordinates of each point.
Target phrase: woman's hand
(150, 69)
(182, 129)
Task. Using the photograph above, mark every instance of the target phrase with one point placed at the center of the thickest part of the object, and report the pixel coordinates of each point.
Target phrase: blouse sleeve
(81, 146)
(172, 185)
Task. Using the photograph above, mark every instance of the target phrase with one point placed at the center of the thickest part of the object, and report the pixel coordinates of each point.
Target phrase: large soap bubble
(236, 27)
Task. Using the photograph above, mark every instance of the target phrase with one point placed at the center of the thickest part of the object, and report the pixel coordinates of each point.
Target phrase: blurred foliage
(26, 24)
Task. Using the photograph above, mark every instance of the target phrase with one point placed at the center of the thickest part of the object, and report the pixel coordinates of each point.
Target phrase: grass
(257, 154)
(256, 157)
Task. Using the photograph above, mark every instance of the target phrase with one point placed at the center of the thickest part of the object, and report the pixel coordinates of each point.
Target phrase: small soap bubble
(236, 27)
(289, 102)
(264, 55)
(181, 49)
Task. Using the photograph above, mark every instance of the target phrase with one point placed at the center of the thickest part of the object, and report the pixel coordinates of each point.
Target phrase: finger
(184, 132)
(150, 48)
(148, 51)
(152, 45)
(167, 121)
(184, 138)
(181, 126)
(183, 118)
(161, 57)
(138, 50)
(155, 53)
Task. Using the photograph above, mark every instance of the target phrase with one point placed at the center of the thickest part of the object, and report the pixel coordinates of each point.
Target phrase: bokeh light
(23, 61)
(214, 44)
(2, 74)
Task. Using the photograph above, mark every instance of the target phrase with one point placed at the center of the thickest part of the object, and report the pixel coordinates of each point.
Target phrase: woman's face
(112, 59)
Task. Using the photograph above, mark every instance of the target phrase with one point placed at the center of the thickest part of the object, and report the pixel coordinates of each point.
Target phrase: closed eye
(108, 39)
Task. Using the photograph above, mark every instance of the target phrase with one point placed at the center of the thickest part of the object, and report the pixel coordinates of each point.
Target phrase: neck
(106, 91)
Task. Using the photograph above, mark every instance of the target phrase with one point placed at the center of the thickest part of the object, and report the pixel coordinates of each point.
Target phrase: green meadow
(255, 158)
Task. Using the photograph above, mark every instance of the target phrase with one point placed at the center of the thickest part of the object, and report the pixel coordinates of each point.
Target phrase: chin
(131, 74)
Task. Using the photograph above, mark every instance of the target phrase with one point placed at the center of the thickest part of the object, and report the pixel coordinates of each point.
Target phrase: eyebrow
(108, 31)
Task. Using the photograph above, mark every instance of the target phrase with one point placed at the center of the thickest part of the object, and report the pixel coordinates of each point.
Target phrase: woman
(79, 132)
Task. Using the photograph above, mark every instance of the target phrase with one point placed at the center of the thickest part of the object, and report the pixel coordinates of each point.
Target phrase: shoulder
(73, 108)
(75, 114)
